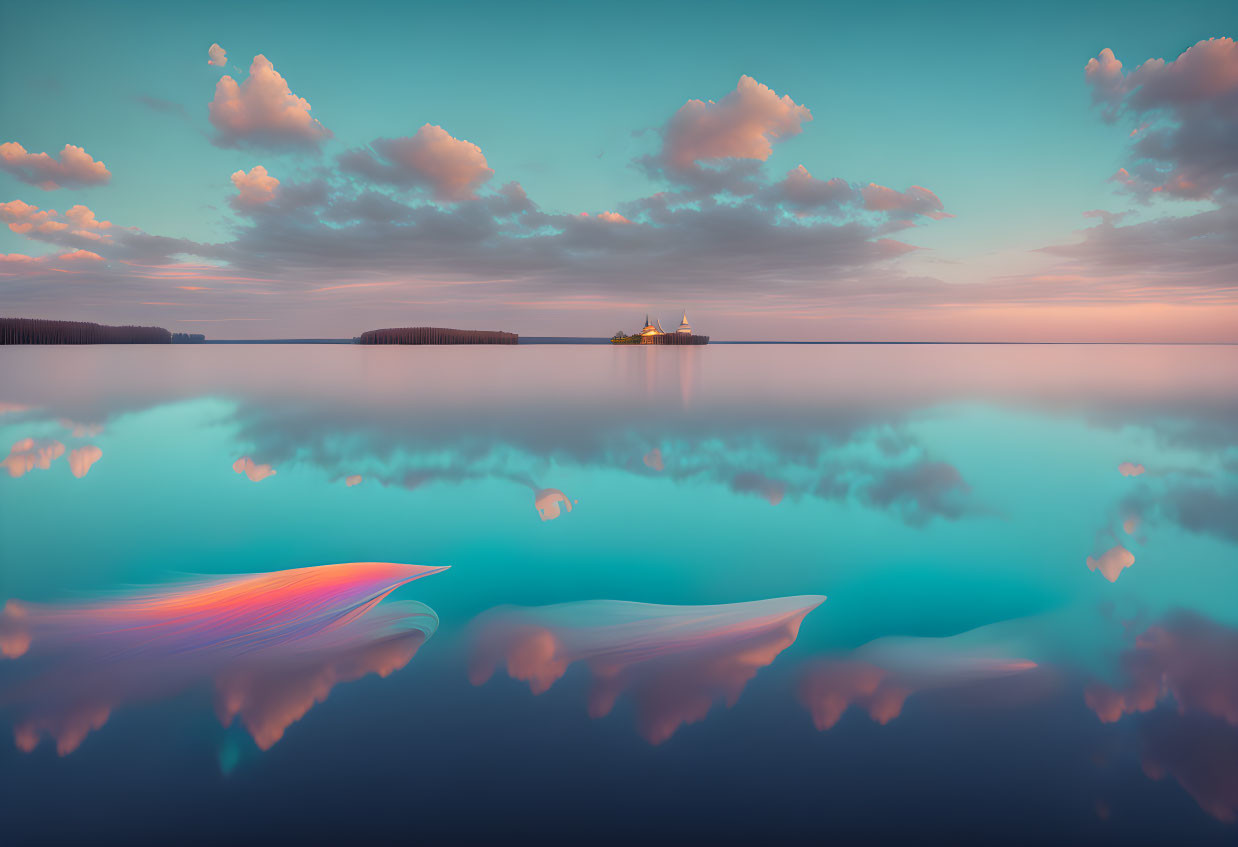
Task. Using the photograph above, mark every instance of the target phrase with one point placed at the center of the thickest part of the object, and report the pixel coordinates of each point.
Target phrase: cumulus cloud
(253, 470)
(255, 188)
(263, 112)
(27, 455)
(76, 226)
(217, 56)
(451, 167)
(355, 479)
(802, 191)
(75, 168)
(1186, 116)
(914, 201)
(722, 229)
(1130, 469)
(1112, 562)
(742, 125)
(80, 256)
(82, 458)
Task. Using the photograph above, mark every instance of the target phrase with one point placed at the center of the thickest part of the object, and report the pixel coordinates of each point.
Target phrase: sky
(954, 171)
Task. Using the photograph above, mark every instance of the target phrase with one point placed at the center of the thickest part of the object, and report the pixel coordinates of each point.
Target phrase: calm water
(1030, 556)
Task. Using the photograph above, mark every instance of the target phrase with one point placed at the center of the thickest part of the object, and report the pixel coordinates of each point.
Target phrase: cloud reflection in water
(272, 645)
(673, 661)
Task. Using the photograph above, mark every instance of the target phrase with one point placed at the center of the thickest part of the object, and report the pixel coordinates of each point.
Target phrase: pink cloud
(1104, 74)
(355, 479)
(613, 217)
(26, 219)
(81, 459)
(75, 167)
(1130, 469)
(452, 167)
(82, 218)
(742, 125)
(263, 111)
(20, 263)
(1112, 562)
(916, 200)
(1183, 144)
(218, 56)
(801, 190)
(254, 188)
(79, 256)
(28, 454)
(255, 472)
(547, 501)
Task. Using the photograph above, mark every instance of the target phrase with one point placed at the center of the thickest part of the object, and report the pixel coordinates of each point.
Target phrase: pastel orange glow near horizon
(674, 661)
(272, 644)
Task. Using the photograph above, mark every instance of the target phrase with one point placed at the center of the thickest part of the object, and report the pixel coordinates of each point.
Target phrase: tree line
(436, 335)
(38, 331)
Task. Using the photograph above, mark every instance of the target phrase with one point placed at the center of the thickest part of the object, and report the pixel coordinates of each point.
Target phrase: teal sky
(984, 105)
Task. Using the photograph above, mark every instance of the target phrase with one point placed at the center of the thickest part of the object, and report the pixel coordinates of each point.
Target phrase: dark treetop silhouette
(435, 335)
(38, 331)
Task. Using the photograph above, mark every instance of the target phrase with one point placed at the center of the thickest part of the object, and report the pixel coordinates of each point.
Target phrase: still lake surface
(1030, 555)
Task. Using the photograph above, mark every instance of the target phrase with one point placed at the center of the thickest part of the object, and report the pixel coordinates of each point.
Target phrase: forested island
(436, 335)
(38, 331)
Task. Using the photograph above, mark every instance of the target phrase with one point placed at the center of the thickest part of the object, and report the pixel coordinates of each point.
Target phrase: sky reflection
(1029, 554)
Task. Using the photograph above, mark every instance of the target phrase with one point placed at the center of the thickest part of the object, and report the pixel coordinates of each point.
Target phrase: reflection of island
(37, 331)
(272, 645)
(675, 661)
(436, 335)
(652, 333)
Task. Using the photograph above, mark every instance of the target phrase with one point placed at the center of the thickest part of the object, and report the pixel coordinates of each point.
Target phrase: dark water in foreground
(1030, 556)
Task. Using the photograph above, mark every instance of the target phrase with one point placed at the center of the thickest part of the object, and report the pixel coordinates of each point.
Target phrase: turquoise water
(946, 500)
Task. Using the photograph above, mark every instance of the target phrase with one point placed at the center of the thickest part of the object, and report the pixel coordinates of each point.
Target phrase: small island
(436, 335)
(652, 333)
(39, 331)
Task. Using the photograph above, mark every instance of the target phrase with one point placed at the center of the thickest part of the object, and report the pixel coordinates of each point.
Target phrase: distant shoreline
(568, 340)
(550, 339)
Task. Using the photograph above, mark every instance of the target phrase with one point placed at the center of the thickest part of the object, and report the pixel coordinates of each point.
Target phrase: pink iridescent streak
(272, 645)
(225, 613)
